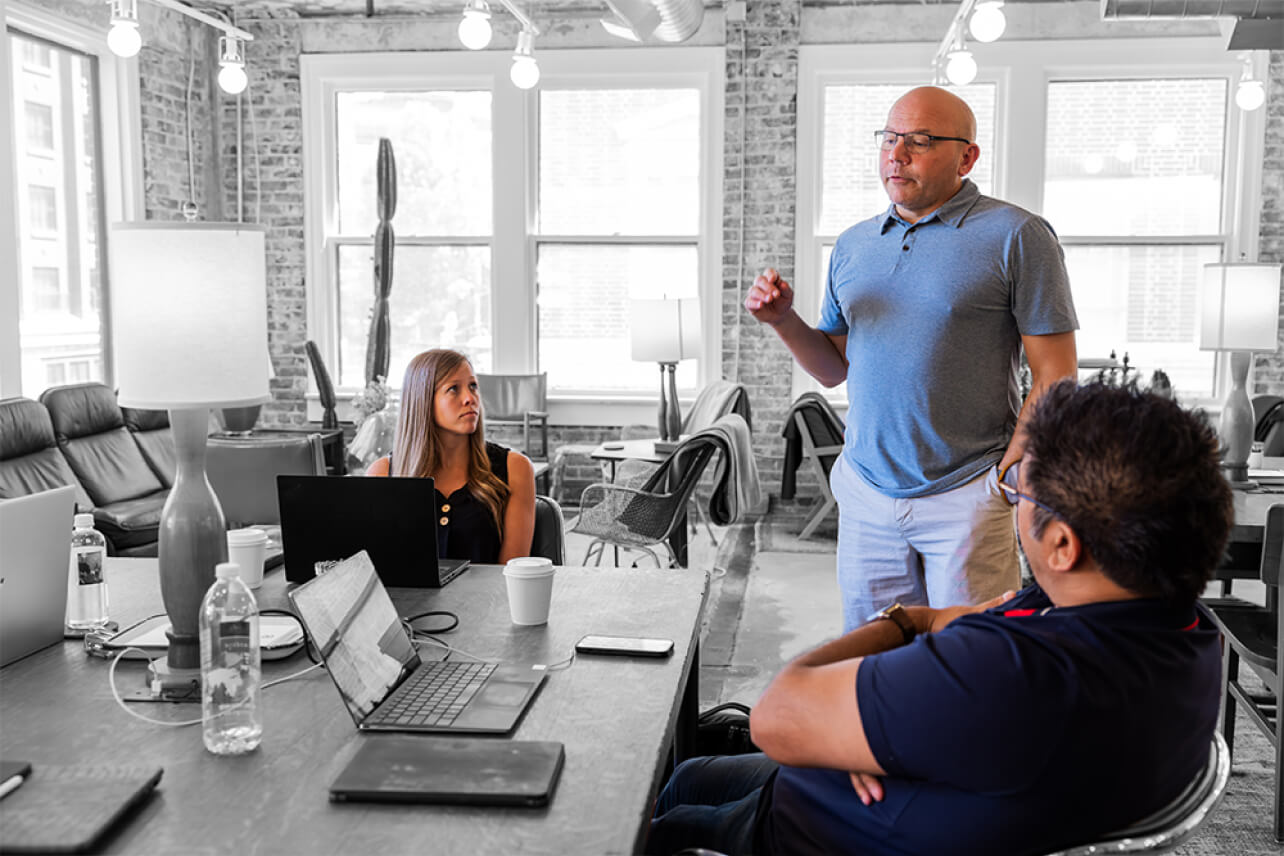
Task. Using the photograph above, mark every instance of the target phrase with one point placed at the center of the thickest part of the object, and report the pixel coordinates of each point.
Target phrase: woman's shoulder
(381, 466)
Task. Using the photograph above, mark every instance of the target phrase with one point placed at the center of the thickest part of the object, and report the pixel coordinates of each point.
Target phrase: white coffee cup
(530, 589)
(248, 549)
(1255, 455)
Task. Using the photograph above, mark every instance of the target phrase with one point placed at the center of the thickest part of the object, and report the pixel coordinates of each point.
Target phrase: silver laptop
(35, 540)
(373, 663)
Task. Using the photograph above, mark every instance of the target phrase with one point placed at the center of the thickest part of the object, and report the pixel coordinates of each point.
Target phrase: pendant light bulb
(474, 29)
(1250, 94)
(960, 67)
(525, 71)
(988, 21)
(123, 39)
(232, 78)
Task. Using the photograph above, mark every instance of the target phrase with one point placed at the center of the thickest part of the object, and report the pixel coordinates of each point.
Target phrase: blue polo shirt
(934, 312)
(1021, 730)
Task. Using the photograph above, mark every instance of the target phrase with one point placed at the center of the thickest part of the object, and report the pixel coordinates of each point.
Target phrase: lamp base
(169, 685)
(1237, 476)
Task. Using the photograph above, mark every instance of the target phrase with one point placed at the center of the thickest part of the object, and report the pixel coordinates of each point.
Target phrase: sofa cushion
(29, 458)
(132, 522)
(150, 430)
(92, 435)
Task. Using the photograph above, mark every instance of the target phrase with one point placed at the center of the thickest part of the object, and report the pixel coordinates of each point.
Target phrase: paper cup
(530, 589)
(247, 548)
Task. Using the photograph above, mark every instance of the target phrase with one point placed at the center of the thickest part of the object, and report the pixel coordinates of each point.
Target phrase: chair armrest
(829, 450)
(612, 510)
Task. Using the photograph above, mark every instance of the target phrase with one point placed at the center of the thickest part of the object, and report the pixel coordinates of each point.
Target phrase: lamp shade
(664, 331)
(1240, 307)
(188, 308)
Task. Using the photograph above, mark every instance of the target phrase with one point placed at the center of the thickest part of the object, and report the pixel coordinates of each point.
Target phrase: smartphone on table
(625, 646)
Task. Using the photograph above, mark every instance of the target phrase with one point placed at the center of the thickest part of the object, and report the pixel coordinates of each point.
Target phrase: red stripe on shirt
(1020, 613)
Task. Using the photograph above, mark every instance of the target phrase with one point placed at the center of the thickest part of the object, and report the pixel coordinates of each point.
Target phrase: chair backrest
(821, 429)
(243, 473)
(715, 400)
(549, 540)
(1268, 423)
(150, 430)
(91, 433)
(508, 397)
(1175, 822)
(30, 460)
(1273, 545)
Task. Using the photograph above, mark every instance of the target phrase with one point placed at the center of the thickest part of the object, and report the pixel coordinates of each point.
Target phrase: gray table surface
(617, 718)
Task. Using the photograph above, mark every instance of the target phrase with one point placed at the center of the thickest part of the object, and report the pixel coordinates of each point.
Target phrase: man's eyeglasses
(914, 141)
(1008, 481)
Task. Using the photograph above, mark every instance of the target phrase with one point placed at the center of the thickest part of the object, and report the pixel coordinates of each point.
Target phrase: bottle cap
(227, 570)
(84, 521)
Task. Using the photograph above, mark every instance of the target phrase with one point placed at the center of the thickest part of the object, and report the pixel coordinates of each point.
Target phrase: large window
(1125, 152)
(525, 220)
(68, 168)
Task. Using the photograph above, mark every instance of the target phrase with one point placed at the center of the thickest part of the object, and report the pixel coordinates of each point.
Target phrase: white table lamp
(188, 307)
(665, 331)
(1239, 313)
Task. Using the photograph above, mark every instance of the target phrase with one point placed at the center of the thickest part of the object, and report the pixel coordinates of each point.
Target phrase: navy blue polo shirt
(1017, 731)
(934, 312)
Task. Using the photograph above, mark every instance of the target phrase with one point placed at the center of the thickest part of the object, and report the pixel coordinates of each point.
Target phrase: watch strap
(898, 616)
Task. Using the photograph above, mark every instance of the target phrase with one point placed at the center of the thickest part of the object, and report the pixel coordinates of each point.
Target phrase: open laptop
(35, 535)
(329, 518)
(372, 661)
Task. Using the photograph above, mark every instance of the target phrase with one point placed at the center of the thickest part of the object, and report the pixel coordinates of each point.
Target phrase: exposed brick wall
(1269, 373)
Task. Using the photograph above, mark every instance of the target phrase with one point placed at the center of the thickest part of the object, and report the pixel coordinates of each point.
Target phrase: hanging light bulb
(123, 38)
(987, 22)
(525, 71)
(231, 73)
(960, 67)
(474, 29)
(1250, 94)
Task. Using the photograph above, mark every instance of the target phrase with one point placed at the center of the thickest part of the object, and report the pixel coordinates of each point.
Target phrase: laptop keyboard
(434, 695)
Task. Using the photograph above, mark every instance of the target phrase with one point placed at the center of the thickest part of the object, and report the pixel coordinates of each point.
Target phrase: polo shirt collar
(951, 213)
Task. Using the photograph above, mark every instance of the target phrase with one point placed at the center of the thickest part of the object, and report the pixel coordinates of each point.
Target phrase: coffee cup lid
(246, 537)
(529, 566)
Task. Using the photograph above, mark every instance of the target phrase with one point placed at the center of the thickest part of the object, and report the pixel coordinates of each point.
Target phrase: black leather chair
(30, 461)
(549, 539)
(151, 432)
(126, 493)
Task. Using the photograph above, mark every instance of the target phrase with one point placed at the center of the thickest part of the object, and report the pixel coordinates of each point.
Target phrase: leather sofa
(78, 435)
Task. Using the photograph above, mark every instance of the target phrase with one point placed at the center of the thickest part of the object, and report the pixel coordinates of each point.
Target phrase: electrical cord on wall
(190, 208)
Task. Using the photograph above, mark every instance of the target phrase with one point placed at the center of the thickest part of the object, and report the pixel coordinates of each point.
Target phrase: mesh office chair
(1161, 832)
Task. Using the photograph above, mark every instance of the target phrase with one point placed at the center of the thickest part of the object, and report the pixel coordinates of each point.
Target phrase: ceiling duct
(654, 20)
(1258, 24)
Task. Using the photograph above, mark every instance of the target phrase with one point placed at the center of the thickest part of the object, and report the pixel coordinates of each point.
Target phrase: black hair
(1138, 479)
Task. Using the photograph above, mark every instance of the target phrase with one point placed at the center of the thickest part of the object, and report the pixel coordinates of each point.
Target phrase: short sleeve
(1041, 300)
(957, 707)
(832, 320)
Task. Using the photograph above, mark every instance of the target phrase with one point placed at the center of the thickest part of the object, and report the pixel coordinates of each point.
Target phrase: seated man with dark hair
(1021, 726)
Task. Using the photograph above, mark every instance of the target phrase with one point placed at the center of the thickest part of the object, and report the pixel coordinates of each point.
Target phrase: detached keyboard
(434, 694)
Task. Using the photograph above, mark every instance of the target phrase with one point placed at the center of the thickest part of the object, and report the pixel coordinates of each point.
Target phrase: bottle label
(227, 669)
(89, 565)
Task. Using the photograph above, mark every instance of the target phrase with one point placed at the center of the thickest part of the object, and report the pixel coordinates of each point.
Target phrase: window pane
(441, 144)
(1135, 157)
(619, 162)
(1141, 300)
(60, 330)
(851, 190)
(440, 299)
(584, 294)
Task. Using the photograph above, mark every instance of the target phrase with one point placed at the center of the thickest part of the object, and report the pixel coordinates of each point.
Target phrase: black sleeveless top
(465, 527)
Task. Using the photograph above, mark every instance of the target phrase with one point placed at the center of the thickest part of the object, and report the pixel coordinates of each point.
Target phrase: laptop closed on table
(373, 663)
(35, 540)
(451, 770)
(329, 518)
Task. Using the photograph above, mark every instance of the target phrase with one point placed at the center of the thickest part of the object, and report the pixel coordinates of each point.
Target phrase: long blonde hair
(417, 450)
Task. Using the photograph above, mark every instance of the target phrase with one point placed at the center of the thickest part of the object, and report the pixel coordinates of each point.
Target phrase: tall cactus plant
(377, 347)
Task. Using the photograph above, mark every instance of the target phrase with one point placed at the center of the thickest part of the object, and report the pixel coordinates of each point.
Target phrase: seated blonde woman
(485, 493)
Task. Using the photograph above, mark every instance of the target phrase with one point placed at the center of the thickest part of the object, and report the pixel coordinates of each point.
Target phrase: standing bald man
(926, 309)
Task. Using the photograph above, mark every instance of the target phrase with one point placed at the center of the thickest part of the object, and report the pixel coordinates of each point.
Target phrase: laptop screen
(352, 621)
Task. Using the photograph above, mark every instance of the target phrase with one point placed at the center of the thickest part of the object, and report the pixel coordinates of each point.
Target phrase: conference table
(621, 720)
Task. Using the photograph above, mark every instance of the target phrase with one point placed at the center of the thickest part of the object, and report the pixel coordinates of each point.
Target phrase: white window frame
(514, 163)
(121, 168)
(1022, 70)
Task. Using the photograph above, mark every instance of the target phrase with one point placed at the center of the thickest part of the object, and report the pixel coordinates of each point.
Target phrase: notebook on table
(372, 660)
(35, 537)
(452, 770)
(329, 518)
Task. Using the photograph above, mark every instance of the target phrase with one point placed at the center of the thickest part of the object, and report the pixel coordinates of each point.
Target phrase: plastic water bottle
(230, 665)
(86, 588)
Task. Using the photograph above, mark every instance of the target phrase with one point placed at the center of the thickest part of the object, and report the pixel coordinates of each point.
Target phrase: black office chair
(1268, 423)
(1251, 634)
(549, 539)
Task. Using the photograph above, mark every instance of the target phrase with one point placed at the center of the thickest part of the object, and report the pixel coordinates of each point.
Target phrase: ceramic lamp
(665, 331)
